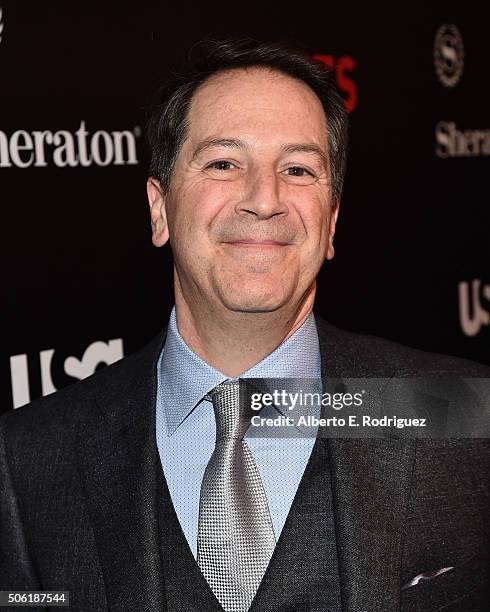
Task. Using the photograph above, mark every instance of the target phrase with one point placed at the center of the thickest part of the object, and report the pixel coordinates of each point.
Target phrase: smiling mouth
(250, 242)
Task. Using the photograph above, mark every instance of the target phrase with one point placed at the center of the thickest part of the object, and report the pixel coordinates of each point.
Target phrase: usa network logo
(474, 301)
(1, 23)
(50, 364)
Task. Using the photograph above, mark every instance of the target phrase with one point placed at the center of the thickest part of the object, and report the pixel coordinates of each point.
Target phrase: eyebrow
(237, 143)
(307, 148)
(209, 143)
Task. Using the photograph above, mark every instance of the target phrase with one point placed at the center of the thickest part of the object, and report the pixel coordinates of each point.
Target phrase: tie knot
(232, 409)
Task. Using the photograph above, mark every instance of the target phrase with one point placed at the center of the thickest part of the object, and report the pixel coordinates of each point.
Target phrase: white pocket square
(426, 576)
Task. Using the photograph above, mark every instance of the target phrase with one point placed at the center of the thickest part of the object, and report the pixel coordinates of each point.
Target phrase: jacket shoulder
(367, 355)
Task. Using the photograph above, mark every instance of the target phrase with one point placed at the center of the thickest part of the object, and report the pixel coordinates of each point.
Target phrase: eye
(221, 164)
(298, 171)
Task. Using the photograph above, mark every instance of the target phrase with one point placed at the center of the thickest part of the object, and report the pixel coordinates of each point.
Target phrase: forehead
(258, 102)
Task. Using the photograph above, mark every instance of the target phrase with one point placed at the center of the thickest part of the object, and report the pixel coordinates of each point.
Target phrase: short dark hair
(168, 123)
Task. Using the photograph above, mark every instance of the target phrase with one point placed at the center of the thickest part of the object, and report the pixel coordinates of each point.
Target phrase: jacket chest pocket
(465, 588)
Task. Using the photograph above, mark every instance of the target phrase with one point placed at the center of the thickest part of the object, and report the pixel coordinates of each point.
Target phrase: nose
(262, 195)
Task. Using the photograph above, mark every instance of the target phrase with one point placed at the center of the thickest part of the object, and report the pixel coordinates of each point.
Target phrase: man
(141, 488)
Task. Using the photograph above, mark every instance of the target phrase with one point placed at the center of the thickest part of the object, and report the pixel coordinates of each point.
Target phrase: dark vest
(302, 575)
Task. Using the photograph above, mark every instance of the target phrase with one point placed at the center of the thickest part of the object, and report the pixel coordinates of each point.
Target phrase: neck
(232, 342)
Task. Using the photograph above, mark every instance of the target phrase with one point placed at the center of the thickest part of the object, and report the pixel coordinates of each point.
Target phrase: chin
(256, 300)
(242, 291)
(249, 308)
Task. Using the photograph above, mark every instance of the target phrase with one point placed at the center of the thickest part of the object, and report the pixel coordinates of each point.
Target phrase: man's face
(249, 210)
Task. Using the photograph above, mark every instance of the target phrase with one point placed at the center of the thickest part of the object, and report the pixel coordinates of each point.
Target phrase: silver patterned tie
(235, 537)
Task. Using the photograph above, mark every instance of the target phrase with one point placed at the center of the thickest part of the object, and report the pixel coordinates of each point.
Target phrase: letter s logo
(346, 84)
(96, 353)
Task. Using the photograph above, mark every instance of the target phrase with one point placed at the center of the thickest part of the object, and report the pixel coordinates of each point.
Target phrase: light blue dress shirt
(186, 431)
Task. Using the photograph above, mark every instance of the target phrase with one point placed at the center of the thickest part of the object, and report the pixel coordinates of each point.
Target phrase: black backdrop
(82, 283)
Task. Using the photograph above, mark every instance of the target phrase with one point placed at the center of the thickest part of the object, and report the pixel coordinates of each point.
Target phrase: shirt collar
(184, 378)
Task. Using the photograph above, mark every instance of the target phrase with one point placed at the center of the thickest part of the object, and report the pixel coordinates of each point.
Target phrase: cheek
(199, 202)
(316, 220)
(315, 217)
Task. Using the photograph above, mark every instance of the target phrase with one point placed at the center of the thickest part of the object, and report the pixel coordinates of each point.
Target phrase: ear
(334, 213)
(158, 213)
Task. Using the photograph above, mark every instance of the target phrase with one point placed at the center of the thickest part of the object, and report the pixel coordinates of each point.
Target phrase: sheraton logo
(67, 149)
(448, 55)
(453, 142)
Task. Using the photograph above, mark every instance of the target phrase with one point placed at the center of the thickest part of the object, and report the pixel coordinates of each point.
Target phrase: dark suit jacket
(78, 504)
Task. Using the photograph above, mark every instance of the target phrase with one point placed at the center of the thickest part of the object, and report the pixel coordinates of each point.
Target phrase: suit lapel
(370, 483)
(118, 459)
(371, 486)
